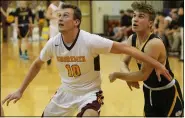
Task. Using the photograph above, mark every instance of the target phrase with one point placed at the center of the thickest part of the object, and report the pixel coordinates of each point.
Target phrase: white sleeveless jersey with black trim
(78, 64)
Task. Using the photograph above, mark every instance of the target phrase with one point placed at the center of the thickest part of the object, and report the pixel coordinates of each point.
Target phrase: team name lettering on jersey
(71, 58)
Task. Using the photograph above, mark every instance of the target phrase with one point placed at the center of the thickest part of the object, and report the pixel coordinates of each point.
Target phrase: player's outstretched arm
(125, 67)
(33, 71)
(119, 48)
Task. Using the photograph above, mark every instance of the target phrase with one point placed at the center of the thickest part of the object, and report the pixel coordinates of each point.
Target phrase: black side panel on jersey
(97, 63)
(152, 80)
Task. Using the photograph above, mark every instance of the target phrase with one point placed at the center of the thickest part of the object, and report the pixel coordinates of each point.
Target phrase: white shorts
(65, 103)
(53, 31)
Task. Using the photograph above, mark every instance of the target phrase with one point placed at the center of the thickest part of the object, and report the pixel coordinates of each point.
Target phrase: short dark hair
(144, 7)
(77, 11)
(129, 10)
(161, 14)
(121, 11)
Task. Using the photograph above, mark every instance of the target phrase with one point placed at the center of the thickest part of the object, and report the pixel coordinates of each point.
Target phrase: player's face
(140, 21)
(66, 20)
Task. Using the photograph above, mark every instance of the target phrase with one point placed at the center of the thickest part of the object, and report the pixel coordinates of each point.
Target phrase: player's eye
(65, 15)
(141, 16)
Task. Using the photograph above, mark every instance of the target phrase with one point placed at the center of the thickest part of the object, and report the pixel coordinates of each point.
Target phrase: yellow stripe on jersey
(173, 103)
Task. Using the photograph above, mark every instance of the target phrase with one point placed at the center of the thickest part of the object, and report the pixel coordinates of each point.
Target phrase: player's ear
(151, 23)
(77, 22)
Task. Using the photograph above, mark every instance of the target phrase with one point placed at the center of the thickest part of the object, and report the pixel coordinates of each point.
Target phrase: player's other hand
(112, 77)
(133, 84)
(13, 96)
(163, 71)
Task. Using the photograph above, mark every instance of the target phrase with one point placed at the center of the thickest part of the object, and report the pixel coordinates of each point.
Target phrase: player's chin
(134, 29)
(61, 29)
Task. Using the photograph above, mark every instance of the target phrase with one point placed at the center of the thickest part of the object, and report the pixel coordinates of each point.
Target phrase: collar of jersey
(74, 42)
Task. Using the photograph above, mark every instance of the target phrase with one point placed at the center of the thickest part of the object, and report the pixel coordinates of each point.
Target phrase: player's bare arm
(30, 22)
(146, 69)
(127, 58)
(125, 66)
(33, 71)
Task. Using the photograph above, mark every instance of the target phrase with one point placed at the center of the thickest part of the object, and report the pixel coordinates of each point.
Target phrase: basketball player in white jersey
(77, 54)
(51, 14)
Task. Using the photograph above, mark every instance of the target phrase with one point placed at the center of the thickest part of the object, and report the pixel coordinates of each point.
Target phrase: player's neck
(70, 36)
(143, 36)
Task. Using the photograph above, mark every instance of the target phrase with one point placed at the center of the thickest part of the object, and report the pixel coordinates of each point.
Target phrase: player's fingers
(10, 99)
(7, 97)
(129, 86)
(169, 76)
(159, 77)
(111, 78)
(136, 85)
(15, 101)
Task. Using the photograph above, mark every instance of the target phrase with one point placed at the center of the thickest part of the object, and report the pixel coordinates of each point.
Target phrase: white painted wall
(101, 8)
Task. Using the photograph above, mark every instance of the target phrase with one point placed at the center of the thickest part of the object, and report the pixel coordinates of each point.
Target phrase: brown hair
(144, 7)
(77, 11)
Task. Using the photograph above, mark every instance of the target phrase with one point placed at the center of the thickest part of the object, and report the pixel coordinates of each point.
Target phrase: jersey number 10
(73, 71)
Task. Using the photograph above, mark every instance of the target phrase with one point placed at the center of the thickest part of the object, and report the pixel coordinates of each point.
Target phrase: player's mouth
(61, 25)
(134, 25)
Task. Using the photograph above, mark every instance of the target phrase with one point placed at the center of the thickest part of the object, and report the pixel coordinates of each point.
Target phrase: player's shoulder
(155, 42)
(83, 32)
(89, 35)
(156, 39)
(85, 35)
(55, 39)
(129, 40)
(88, 38)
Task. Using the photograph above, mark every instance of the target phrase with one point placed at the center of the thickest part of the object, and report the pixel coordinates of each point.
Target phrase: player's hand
(13, 96)
(133, 84)
(112, 77)
(162, 71)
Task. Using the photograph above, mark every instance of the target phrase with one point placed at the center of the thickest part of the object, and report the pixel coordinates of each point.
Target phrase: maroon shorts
(95, 105)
